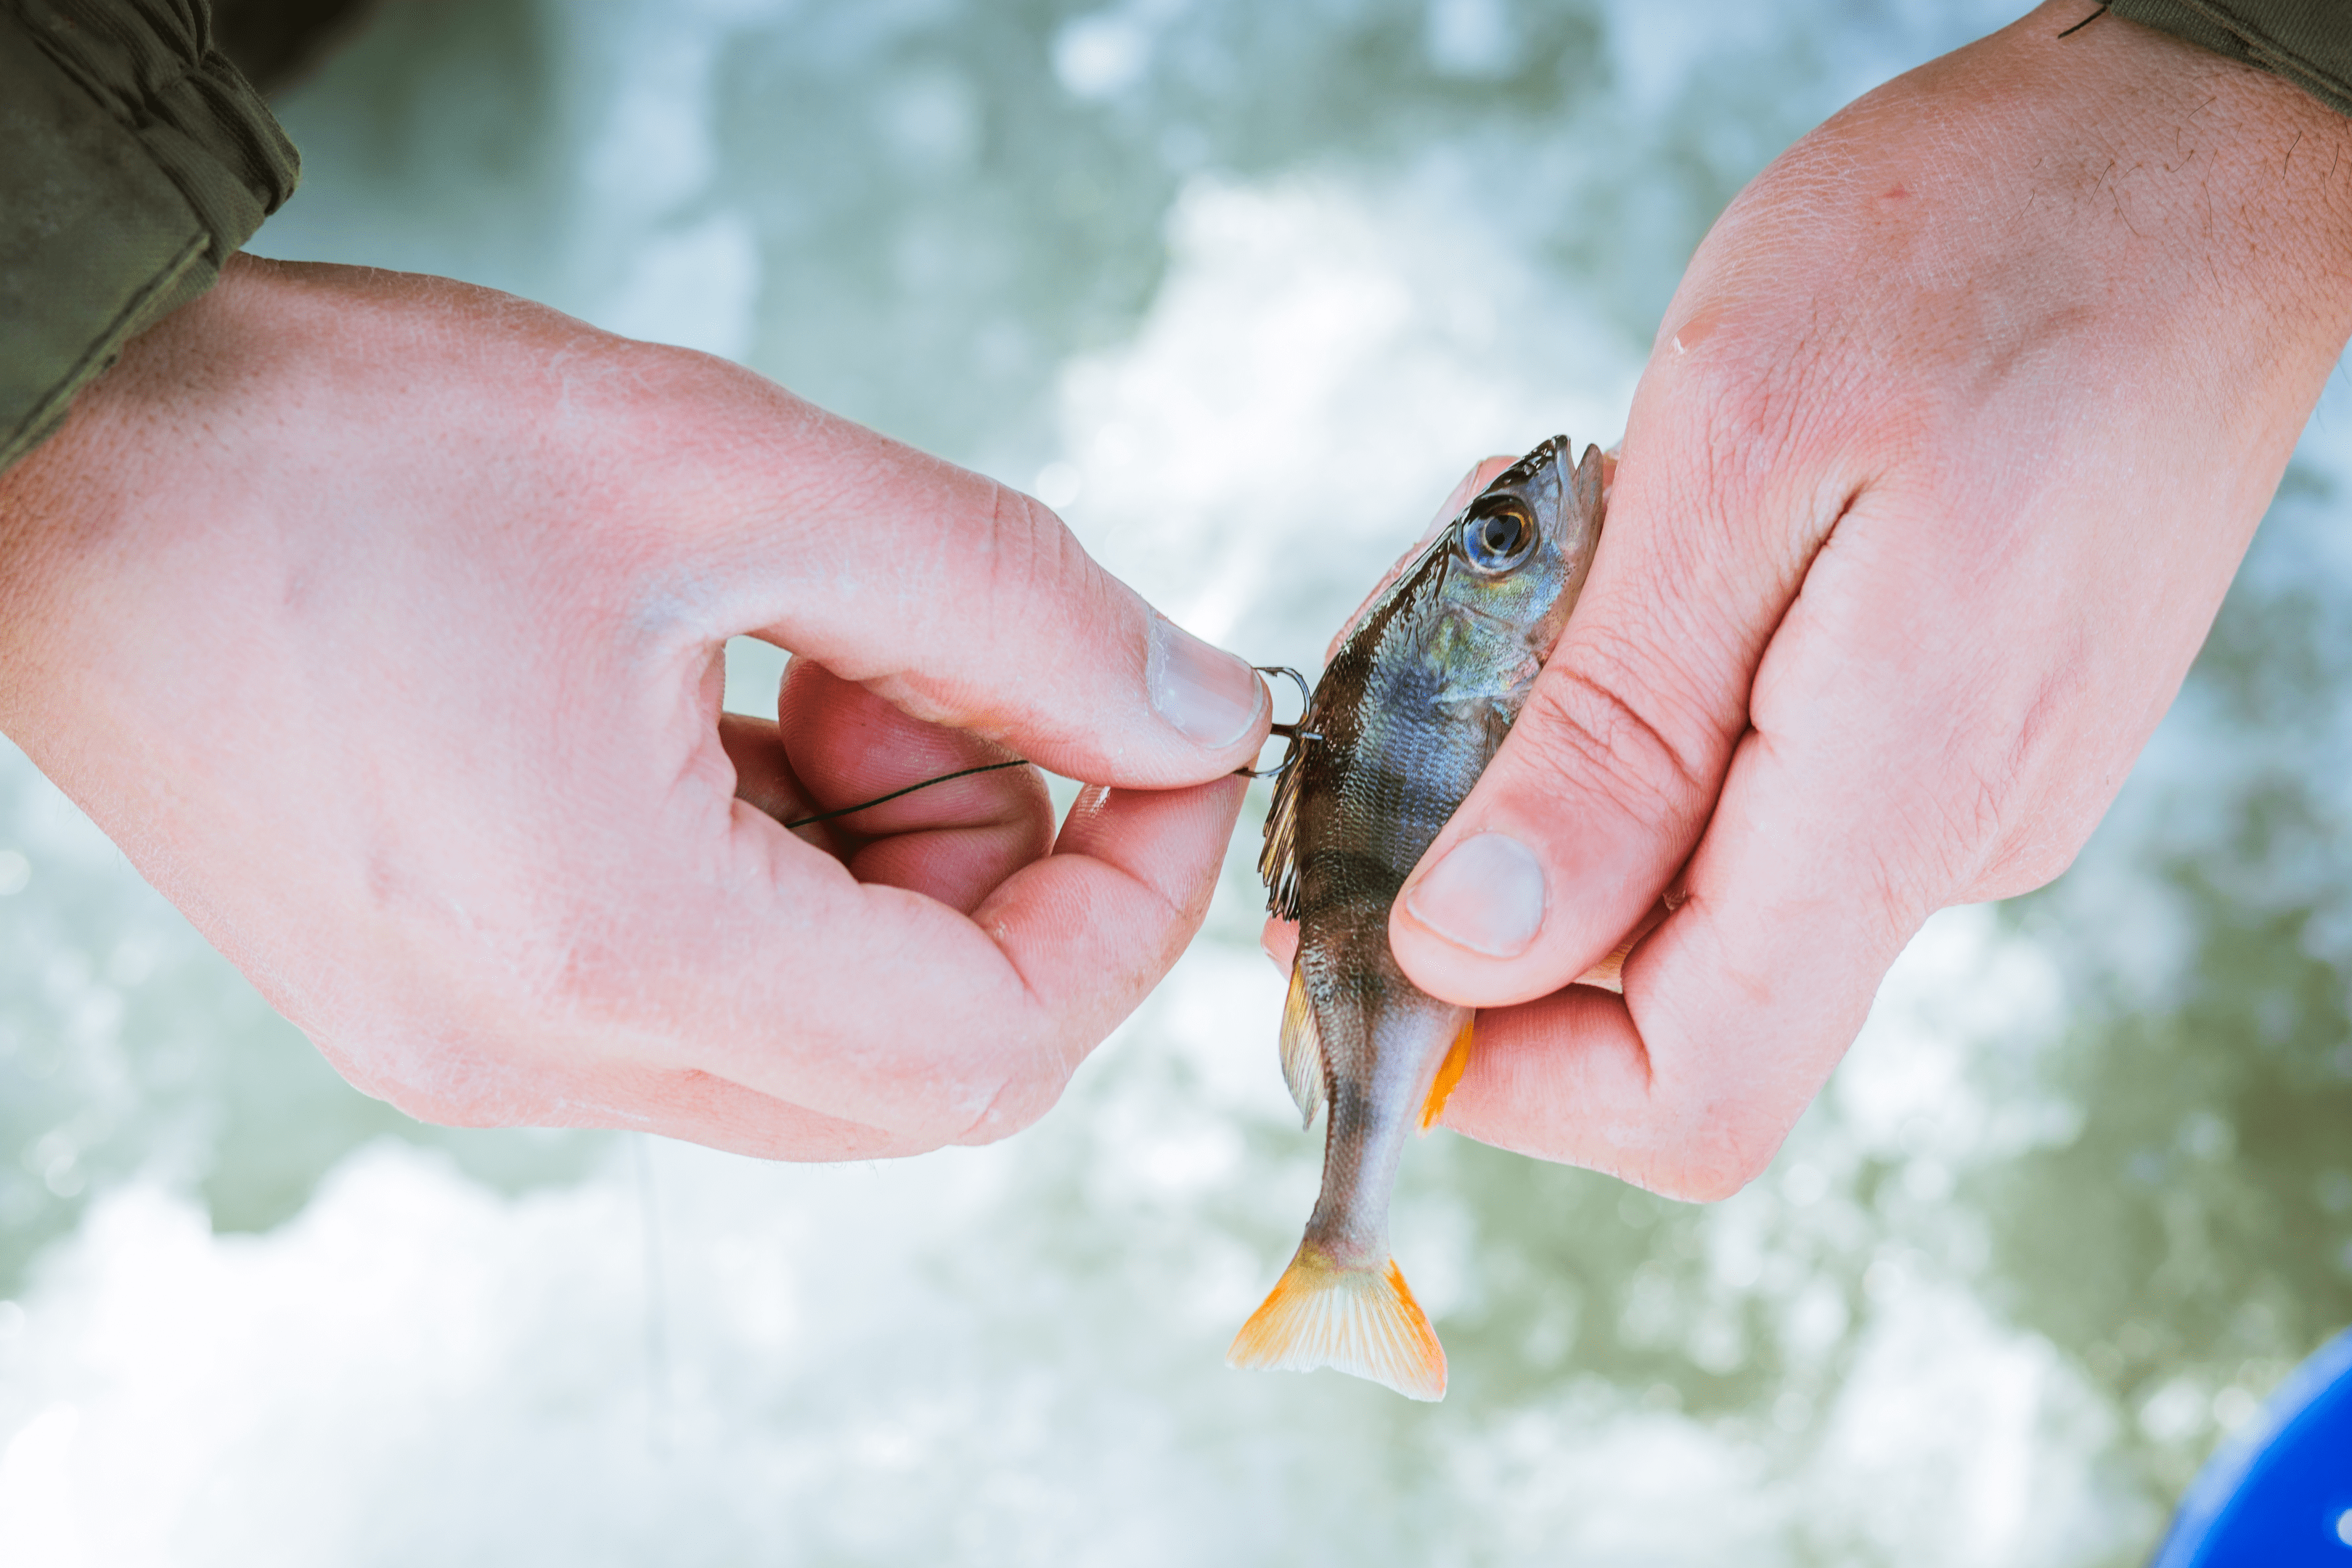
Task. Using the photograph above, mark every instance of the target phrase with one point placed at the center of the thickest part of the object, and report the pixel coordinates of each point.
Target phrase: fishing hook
(1294, 732)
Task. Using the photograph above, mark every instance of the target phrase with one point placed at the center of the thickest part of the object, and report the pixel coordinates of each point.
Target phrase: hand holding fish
(379, 619)
(1953, 437)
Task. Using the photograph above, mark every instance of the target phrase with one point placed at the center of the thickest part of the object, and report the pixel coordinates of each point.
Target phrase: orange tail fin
(1364, 1321)
(1449, 1073)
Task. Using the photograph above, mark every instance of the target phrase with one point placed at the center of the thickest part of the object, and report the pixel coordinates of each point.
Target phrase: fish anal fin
(1361, 1321)
(1449, 1073)
(1302, 1048)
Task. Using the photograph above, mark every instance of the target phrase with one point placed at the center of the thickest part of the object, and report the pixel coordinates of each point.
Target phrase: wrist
(2239, 180)
(2113, 224)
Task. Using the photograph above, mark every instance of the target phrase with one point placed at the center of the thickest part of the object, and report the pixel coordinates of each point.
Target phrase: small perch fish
(1422, 690)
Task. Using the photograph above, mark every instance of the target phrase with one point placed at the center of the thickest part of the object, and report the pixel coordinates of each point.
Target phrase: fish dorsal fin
(1364, 1321)
(1302, 1049)
(1277, 861)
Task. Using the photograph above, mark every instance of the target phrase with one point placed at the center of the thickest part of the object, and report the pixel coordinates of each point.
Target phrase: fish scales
(1422, 688)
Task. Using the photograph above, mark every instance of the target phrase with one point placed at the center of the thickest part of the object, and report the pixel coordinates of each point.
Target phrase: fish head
(1522, 547)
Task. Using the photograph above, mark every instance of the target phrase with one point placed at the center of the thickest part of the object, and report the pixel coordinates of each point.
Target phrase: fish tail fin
(1449, 1073)
(1363, 1321)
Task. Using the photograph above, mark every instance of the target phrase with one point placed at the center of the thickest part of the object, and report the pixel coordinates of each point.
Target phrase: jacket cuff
(134, 160)
(2309, 42)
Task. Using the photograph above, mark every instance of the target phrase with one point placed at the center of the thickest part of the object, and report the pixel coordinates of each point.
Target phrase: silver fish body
(1422, 688)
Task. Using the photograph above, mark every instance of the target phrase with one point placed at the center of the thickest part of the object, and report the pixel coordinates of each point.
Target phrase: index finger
(962, 602)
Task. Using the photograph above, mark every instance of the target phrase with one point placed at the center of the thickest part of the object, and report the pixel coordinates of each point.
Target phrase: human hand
(1952, 439)
(380, 620)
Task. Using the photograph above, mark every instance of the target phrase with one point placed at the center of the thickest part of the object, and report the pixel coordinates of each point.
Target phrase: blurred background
(1241, 288)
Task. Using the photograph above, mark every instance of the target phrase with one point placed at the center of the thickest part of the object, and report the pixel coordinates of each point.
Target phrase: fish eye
(1500, 537)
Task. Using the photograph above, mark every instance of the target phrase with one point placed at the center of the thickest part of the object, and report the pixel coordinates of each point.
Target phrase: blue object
(2281, 1495)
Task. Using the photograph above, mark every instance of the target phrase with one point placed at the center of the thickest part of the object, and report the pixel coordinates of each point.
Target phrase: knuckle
(2018, 871)
(456, 1086)
(1716, 1123)
(1716, 1165)
(1580, 725)
(2036, 810)
(1768, 449)
(1026, 550)
(1984, 827)
(1971, 814)
(1750, 413)
(1019, 1103)
(1022, 558)
(2034, 846)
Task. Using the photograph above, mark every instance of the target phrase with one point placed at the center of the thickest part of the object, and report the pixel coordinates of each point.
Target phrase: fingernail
(1207, 693)
(1486, 895)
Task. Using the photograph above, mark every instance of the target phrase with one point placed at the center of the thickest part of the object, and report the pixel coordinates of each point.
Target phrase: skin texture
(1952, 438)
(379, 620)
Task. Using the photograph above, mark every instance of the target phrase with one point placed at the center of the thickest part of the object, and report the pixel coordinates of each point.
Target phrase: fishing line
(2087, 21)
(657, 1329)
(877, 800)
(1291, 733)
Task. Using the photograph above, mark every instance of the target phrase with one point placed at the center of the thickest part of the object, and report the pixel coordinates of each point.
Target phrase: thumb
(1610, 773)
(956, 598)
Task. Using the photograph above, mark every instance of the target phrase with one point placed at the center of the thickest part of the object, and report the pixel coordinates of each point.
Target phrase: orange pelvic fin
(1364, 1321)
(1609, 975)
(1449, 1073)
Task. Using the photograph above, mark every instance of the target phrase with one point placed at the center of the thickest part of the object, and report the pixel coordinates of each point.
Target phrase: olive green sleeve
(2309, 42)
(134, 160)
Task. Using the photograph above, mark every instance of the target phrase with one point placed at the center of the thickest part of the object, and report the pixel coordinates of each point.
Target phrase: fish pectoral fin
(1609, 975)
(1590, 485)
(1363, 1321)
(1302, 1048)
(1449, 1073)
